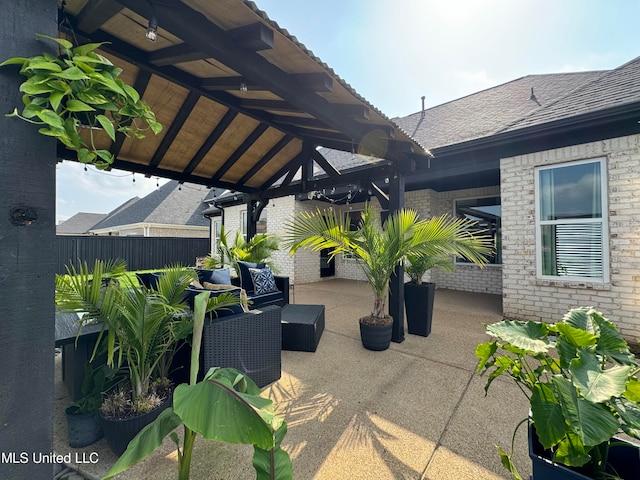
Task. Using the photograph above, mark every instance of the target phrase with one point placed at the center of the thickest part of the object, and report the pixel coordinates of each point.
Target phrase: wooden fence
(140, 253)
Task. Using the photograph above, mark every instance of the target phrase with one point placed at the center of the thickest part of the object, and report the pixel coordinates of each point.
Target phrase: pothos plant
(581, 381)
(80, 90)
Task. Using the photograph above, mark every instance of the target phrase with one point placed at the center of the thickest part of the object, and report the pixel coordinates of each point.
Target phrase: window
(571, 223)
(243, 224)
(487, 212)
(216, 227)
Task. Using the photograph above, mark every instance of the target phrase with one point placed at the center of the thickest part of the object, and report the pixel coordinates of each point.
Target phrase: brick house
(550, 164)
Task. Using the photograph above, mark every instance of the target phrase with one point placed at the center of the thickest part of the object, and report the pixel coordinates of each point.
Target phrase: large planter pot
(119, 432)
(624, 460)
(83, 428)
(418, 302)
(375, 337)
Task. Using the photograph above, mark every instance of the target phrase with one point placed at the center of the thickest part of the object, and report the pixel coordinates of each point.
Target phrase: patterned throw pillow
(263, 281)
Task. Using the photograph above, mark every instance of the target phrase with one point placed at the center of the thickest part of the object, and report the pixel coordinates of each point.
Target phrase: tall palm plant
(379, 248)
(257, 249)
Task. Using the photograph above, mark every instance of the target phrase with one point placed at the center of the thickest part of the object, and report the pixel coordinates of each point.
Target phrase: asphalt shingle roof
(168, 205)
(79, 224)
(613, 88)
(489, 111)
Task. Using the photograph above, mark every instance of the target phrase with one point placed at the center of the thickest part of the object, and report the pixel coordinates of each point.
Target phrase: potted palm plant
(418, 295)
(582, 384)
(71, 95)
(225, 406)
(142, 327)
(378, 248)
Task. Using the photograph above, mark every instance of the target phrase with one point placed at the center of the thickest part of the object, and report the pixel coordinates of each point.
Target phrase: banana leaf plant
(226, 406)
(581, 381)
(80, 90)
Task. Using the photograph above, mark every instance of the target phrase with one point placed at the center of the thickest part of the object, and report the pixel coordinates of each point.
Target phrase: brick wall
(525, 296)
(468, 278)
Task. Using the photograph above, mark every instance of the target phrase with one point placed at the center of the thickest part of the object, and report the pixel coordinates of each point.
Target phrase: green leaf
(132, 93)
(33, 88)
(630, 413)
(234, 419)
(547, 415)
(576, 336)
(66, 44)
(571, 452)
(85, 156)
(87, 48)
(484, 352)
(73, 73)
(44, 65)
(55, 98)
(14, 61)
(593, 382)
(508, 464)
(105, 155)
(31, 110)
(273, 464)
(530, 336)
(633, 390)
(146, 442)
(50, 118)
(107, 126)
(592, 423)
(611, 344)
(74, 105)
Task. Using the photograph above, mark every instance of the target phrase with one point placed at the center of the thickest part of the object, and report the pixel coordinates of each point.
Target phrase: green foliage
(379, 248)
(580, 379)
(65, 92)
(257, 249)
(226, 406)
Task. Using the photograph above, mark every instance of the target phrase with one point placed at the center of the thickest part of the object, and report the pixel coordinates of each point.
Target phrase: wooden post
(27, 256)
(396, 283)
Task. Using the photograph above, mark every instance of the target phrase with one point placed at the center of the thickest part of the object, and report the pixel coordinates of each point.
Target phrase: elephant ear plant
(581, 381)
(225, 406)
(80, 90)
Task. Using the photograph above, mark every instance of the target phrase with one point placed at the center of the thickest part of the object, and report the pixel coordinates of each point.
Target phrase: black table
(74, 356)
(302, 326)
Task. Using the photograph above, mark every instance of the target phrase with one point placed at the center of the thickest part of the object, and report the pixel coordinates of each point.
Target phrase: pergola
(244, 106)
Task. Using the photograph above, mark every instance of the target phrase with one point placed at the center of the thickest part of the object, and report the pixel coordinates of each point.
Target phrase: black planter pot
(418, 302)
(119, 432)
(83, 428)
(375, 337)
(624, 460)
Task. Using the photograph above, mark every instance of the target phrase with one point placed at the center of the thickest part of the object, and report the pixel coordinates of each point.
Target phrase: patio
(415, 411)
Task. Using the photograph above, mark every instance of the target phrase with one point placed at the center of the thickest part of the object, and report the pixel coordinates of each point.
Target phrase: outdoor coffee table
(302, 326)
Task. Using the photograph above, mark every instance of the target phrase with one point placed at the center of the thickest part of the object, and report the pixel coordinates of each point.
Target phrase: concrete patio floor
(414, 411)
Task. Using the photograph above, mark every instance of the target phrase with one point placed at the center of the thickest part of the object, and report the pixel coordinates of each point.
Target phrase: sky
(393, 52)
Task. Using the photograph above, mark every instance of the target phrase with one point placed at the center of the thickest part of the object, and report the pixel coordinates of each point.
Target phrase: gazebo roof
(215, 134)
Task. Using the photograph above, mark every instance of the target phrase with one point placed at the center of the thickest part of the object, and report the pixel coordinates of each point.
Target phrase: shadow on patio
(414, 411)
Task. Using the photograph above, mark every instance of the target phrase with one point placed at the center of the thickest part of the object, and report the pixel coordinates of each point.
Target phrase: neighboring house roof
(490, 111)
(79, 224)
(170, 204)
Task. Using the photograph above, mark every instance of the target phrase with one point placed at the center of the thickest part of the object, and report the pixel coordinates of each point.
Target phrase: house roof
(170, 204)
(79, 224)
(617, 87)
(214, 134)
(489, 111)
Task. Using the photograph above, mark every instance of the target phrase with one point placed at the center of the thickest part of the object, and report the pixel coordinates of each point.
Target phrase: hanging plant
(80, 89)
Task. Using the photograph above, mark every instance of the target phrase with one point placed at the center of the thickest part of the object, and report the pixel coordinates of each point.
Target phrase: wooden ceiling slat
(174, 129)
(253, 155)
(265, 159)
(217, 132)
(250, 140)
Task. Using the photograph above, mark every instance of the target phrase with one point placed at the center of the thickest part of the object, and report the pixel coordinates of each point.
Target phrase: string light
(133, 177)
(152, 29)
(244, 88)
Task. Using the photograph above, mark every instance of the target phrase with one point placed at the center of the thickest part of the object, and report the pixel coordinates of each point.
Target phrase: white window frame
(243, 224)
(604, 221)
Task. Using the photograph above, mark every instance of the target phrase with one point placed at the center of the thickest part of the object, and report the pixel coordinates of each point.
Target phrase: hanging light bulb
(244, 88)
(180, 186)
(133, 176)
(157, 183)
(152, 29)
